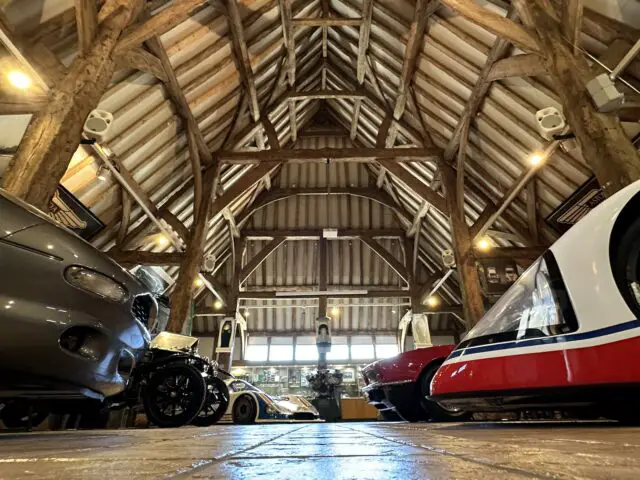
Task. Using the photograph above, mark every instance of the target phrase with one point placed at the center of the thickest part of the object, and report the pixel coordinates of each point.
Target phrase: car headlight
(96, 283)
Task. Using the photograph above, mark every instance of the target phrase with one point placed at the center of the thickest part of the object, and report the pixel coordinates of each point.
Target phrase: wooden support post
(190, 266)
(462, 247)
(604, 144)
(323, 253)
(52, 138)
(289, 39)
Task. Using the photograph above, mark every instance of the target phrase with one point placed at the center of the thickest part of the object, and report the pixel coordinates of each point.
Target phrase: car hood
(26, 226)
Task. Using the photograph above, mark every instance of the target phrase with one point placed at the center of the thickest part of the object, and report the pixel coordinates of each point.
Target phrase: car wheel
(174, 395)
(215, 405)
(434, 410)
(244, 410)
(16, 414)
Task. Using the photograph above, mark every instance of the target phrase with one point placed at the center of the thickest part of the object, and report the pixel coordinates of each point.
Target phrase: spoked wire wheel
(215, 404)
(174, 395)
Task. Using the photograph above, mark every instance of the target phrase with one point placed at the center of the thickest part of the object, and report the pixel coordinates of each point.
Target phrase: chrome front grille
(143, 309)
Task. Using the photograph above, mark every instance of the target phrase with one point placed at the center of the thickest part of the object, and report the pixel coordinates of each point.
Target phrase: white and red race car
(248, 404)
(567, 333)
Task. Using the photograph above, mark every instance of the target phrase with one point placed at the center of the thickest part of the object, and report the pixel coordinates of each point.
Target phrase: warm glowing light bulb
(433, 301)
(483, 244)
(198, 282)
(217, 304)
(335, 311)
(162, 241)
(536, 159)
(246, 313)
(19, 80)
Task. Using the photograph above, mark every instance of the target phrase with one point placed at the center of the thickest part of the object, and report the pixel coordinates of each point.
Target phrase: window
(386, 346)
(536, 305)
(339, 349)
(281, 349)
(386, 351)
(257, 349)
(362, 348)
(306, 349)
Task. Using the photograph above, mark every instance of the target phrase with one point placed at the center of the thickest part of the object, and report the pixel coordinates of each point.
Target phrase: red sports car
(403, 382)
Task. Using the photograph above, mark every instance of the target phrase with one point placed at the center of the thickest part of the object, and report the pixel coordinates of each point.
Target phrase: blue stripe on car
(533, 342)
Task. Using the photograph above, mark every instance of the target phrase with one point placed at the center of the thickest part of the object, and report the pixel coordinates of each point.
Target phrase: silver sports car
(72, 321)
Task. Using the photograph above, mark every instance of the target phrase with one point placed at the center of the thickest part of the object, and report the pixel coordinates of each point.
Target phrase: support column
(463, 250)
(54, 135)
(190, 266)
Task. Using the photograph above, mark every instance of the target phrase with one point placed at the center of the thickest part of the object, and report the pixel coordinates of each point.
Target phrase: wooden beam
(328, 94)
(192, 262)
(311, 233)
(353, 131)
(389, 259)
(293, 120)
(524, 65)
(233, 228)
(492, 211)
(323, 154)
(524, 253)
(571, 14)
(139, 59)
(54, 135)
(236, 190)
(289, 39)
(260, 257)
(138, 257)
(498, 51)
(421, 189)
(158, 24)
(166, 215)
(496, 24)
(87, 23)
(327, 22)
(244, 63)
(413, 48)
(177, 95)
(604, 144)
(222, 290)
(23, 104)
(363, 40)
(272, 135)
(125, 221)
(284, 294)
(462, 247)
(277, 194)
(417, 220)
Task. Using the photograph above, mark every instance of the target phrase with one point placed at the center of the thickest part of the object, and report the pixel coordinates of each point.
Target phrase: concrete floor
(377, 451)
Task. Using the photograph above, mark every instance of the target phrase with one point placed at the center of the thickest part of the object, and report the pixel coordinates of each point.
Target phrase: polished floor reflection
(330, 451)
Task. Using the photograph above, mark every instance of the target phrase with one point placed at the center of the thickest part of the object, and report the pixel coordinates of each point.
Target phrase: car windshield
(536, 305)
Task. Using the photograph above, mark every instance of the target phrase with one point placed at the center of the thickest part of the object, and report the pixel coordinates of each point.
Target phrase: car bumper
(385, 396)
(32, 359)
